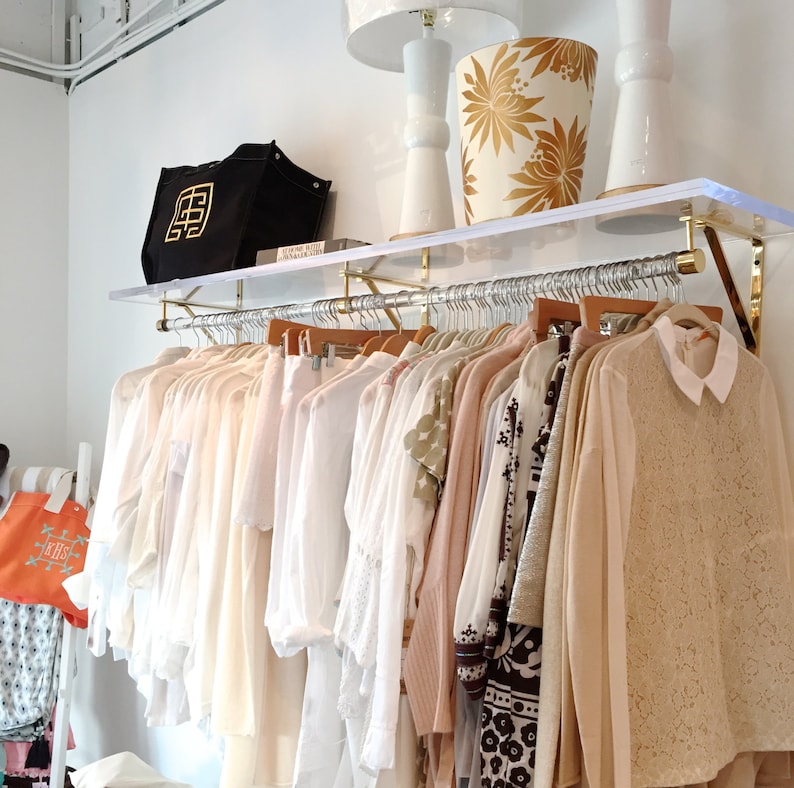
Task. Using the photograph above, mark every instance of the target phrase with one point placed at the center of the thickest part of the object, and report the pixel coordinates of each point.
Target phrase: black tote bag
(215, 217)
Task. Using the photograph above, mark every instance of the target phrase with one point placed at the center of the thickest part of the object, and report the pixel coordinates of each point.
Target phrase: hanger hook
(315, 312)
(431, 307)
(357, 305)
(178, 332)
(368, 307)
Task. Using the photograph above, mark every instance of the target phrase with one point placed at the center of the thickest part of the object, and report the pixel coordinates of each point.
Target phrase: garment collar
(721, 376)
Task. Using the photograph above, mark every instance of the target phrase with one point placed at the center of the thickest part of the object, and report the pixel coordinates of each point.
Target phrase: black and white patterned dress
(512, 682)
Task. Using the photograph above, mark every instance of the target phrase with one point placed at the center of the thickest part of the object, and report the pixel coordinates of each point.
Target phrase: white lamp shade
(377, 30)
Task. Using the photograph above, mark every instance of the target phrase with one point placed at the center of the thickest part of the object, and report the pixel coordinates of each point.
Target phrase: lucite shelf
(635, 224)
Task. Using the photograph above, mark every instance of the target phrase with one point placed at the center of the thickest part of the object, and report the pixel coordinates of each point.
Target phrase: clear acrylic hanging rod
(614, 278)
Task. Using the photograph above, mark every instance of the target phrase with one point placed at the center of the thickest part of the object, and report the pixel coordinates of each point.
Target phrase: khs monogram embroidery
(56, 551)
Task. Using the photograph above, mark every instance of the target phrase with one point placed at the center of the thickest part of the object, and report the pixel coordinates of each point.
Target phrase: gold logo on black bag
(191, 211)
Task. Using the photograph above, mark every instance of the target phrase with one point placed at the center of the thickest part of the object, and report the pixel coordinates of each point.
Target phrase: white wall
(253, 71)
(33, 269)
(245, 72)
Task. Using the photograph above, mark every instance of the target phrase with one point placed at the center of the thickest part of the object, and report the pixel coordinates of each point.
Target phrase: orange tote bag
(43, 540)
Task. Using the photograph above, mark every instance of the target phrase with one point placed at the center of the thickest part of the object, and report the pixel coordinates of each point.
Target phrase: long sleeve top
(679, 601)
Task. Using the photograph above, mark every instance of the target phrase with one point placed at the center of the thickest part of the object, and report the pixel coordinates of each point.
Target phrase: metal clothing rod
(616, 278)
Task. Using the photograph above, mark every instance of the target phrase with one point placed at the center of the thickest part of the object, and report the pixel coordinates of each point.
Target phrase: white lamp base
(644, 149)
(427, 195)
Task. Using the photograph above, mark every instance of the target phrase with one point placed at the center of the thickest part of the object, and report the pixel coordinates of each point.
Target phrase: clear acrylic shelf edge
(633, 223)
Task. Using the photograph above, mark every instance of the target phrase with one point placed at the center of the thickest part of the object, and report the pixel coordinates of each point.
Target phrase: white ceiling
(38, 36)
(26, 27)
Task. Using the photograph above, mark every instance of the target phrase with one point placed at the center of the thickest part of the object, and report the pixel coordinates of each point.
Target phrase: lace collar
(721, 376)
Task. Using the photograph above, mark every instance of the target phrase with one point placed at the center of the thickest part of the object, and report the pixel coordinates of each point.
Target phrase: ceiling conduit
(121, 43)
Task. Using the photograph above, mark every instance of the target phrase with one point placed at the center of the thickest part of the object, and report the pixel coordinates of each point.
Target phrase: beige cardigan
(679, 612)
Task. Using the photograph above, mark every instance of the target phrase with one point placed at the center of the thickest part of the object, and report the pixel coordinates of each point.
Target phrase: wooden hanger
(548, 311)
(592, 307)
(388, 342)
(371, 345)
(396, 343)
(497, 333)
(290, 341)
(276, 327)
(422, 333)
(314, 337)
(399, 339)
(433, 341)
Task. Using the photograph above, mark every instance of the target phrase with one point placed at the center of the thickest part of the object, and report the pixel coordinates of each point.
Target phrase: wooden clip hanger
(548, 311)
(314, 337)
(591, 308)
(290, 341)
(276, 328)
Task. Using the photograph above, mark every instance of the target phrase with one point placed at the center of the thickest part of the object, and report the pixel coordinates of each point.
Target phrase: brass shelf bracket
(188, 304)
(749, 327)
(371, 280)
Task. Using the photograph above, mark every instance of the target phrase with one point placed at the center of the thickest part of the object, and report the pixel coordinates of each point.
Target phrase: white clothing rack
(60, 737)
(31, 479)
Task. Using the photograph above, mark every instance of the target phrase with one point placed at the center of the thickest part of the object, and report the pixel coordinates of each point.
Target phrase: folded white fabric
(123, 770)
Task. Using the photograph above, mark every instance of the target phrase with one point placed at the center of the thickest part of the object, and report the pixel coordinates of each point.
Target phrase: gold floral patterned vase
(524, 110)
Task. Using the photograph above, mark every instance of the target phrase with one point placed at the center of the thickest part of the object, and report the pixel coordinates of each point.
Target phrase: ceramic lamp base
(427, 195)
(644, 150)
(658, 219)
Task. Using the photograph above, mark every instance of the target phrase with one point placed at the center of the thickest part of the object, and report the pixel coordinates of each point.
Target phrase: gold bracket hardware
(756, 289)
(750, 328)
(188, 304)
(393, 319)
(366, 276)
(730, 288)
(691, 262)
(239, 305)
(425, 311)
(161, 324)
(370, 279)
(425, 263)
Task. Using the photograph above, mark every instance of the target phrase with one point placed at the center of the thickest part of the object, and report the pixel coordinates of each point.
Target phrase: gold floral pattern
(497, 108)
(524, 107)
(553, 175)
(572, 60)
(469, 179)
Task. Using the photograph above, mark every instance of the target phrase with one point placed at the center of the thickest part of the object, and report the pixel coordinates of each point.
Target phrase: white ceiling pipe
(26, 59)
(99, 58)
